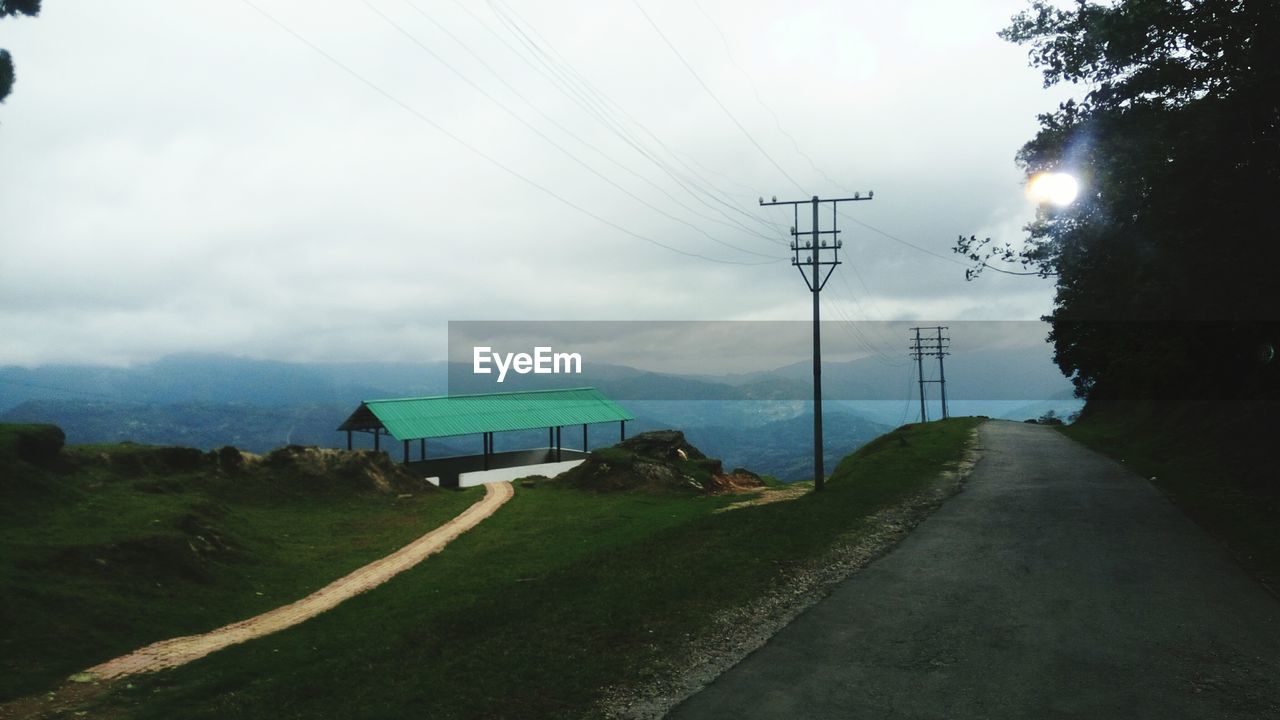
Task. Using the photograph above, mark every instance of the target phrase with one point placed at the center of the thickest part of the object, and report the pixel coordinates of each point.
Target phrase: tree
(7, 9)
(1166, 264)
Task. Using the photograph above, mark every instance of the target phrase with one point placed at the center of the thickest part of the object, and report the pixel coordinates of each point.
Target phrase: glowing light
(1054, 188)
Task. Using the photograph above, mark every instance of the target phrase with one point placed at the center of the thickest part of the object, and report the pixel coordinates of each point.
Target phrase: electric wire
(480, 153)
(906, 405)
(524, 121)
(777, 122)
(887, 358)
(713, 96)
(549, 118)
(940, 256)
(855, 332)
(597, 104)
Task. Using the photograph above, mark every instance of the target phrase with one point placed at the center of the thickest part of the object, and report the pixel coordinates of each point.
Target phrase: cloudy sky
(323, 181)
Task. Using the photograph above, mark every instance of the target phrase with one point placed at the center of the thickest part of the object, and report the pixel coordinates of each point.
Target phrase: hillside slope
(553, 603)
(104, 549)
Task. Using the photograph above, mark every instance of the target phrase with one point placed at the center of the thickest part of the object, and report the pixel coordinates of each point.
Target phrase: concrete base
(469, 470)
(480, 477)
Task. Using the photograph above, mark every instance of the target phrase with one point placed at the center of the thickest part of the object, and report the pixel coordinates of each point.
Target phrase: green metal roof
(431, 417)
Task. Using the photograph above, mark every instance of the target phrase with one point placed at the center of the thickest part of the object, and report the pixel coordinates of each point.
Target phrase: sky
(308, 181)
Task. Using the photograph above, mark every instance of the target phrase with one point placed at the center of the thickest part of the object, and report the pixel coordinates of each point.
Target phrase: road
(1056, 585)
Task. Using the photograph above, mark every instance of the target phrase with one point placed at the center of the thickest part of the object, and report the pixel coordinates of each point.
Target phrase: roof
(447, 415)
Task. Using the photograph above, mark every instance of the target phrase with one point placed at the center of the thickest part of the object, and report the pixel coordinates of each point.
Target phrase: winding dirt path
(181, 650)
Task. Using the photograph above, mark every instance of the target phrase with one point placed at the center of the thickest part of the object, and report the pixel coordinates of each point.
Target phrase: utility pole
(918, 355)
(942, 371)
(815, 259)
(931, 347)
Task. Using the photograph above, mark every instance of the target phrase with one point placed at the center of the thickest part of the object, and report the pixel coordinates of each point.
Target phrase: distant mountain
(759, 420)
(256, 428)
(221, 379)
(784, 448)
(1015, 374)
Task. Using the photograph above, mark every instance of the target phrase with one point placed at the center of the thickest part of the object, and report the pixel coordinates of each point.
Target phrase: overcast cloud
(186, 177)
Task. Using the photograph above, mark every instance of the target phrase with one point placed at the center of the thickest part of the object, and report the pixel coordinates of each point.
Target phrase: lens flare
(1055, 188)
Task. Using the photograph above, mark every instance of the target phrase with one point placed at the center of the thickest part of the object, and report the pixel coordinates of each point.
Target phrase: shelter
(409, 419)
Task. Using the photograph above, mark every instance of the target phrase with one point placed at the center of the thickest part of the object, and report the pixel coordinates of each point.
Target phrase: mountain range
(761, 420)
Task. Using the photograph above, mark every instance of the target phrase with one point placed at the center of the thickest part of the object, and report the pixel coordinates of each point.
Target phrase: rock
(661, 445)
(37, 443)
(229, 459)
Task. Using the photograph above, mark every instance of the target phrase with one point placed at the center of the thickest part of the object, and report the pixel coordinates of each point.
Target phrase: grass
(563, 592)
(1212, 462)
(97, 560)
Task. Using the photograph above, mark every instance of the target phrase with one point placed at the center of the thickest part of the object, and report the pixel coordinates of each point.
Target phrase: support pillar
(377, 439)
(406, 452)
(422, 449)
(348, 440)
(557, 443)
(584, 437)
(622, 430)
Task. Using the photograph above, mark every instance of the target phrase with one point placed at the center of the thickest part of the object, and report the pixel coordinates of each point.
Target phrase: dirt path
(181, 650)
(770, 495)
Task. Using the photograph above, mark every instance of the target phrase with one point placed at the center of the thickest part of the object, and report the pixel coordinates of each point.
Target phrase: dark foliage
(37, 443)
(8, 8)
(19, 7)
(1166, 263)
(6, 74)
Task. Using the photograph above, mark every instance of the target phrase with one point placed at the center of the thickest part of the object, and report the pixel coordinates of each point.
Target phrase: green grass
(1212, 462)
(96, 560)
(561, 593)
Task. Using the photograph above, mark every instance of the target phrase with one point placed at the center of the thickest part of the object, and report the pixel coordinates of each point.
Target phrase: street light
(1054, 188)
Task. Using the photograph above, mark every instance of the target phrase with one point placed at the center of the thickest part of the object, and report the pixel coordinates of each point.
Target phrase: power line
(489, 158)
(412, 38)
(906, 395)
(899, 240)
(546, 116)
(876, 351)
(777, 123)
(713, 96)
(934, 254)
(600, 106)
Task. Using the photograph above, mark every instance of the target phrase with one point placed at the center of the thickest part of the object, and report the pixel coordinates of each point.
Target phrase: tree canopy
(1166, 264)
(7, 9)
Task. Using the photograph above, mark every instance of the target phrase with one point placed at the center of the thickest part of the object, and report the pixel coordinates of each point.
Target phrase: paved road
(1056, 585)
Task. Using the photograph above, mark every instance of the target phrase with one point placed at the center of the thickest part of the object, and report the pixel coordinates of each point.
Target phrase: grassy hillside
(1215, 461)
(563, 592)
(104, 549)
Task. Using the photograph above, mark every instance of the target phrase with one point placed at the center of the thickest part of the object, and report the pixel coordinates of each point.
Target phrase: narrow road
(181, 650)
(1056, 585)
